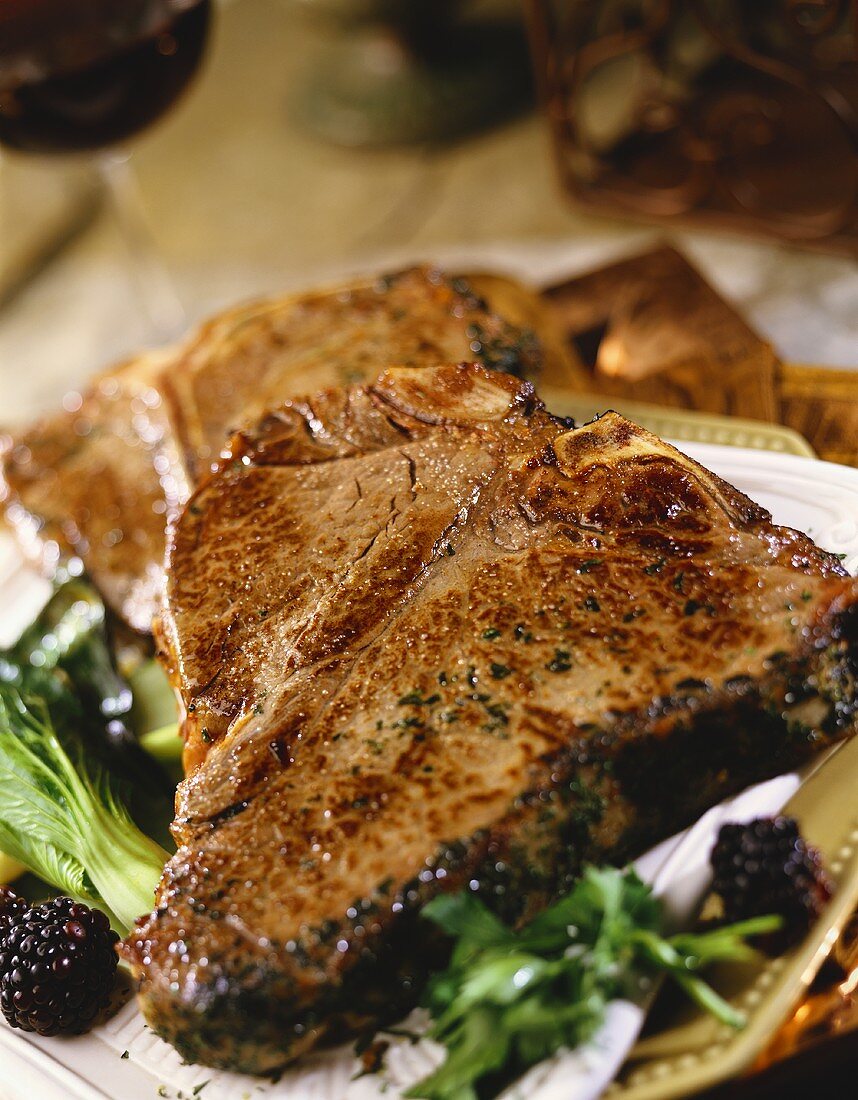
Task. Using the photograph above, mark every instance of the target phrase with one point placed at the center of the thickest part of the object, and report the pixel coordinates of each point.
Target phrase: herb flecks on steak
(487, 719)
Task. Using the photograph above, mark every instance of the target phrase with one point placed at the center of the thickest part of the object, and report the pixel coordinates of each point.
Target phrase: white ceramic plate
(817, 497)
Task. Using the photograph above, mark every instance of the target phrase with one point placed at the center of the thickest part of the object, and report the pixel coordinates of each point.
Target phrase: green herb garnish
(561, 662)
(415, 699)
(510, 998)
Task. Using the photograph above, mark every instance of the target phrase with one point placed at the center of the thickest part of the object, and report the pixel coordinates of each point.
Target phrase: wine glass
(81, 76)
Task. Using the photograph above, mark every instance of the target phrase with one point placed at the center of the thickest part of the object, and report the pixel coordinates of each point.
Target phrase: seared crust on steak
(101, 483)
(102, 480)
(429, 637)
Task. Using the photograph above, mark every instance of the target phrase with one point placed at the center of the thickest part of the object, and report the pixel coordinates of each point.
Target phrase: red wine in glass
(79, 75)
(83, 75)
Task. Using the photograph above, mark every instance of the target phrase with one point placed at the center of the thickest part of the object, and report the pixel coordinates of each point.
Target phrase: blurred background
(321, 137)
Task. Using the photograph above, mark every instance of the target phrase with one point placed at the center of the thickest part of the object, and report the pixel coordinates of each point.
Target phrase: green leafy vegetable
(65, 656)
(70, 765)
(69, 636)
(164, 744)
(510, 998)
(154, 705)
(62, 814)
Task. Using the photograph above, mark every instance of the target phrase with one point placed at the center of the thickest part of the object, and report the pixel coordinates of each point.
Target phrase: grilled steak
(429, 636)
(100, 481)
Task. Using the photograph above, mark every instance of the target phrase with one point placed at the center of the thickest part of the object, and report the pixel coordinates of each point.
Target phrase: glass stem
(156, 293)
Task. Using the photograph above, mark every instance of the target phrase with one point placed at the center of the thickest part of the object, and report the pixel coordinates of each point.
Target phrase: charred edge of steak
(497, 344)
(607, 799)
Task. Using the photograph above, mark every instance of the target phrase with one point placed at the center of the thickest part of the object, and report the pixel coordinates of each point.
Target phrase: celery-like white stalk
(62, 816)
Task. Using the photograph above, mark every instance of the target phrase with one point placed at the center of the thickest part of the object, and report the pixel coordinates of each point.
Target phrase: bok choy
(63, 816)
(71, 770)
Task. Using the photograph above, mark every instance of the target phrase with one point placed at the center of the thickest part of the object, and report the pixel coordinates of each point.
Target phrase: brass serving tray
(691, 1052)
(681, 425)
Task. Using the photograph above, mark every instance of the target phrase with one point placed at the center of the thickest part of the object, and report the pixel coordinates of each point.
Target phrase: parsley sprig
(510, 998)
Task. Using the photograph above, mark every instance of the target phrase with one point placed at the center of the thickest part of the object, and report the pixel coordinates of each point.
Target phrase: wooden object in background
(652, 329)
(822, 405)
(738, 115)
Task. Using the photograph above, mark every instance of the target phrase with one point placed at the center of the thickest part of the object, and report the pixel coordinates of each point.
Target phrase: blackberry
(11, 909)
(57, 967)
(765, 867)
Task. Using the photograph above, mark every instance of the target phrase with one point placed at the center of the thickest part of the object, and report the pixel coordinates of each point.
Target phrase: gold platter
(689, 1052)
(681, 425)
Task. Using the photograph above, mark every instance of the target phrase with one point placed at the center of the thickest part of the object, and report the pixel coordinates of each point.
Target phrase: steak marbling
(101, 480)
(429, 636)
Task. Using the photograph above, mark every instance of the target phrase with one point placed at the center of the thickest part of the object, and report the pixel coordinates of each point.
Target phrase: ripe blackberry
(57, 967)
(767, 867)
(11, 909)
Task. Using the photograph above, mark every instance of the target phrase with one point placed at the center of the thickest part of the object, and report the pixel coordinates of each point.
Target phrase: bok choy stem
(62, 815)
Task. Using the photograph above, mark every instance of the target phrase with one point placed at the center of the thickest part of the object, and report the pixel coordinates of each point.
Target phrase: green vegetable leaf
(511, 997)
(64, 657)
(154, 706)
(465, 916)
(475, 1049)
(63, 816)
(70, 635)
